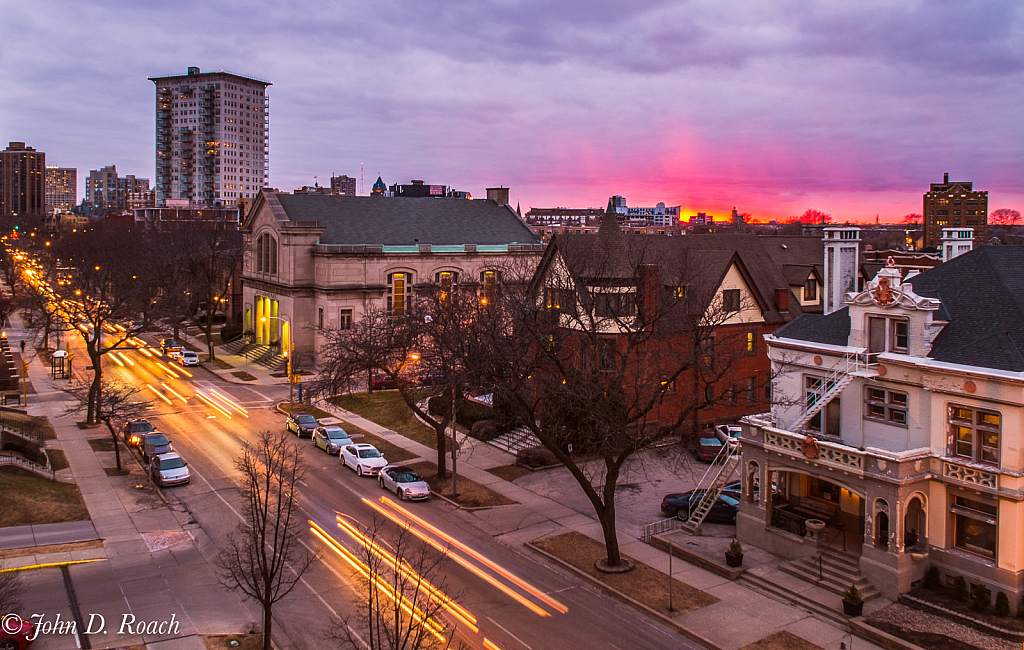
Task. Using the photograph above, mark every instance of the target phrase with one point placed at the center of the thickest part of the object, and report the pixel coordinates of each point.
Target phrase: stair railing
(841, 531)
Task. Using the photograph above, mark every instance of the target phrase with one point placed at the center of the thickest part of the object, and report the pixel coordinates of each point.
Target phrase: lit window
(974, 434)
(751, 343)
(811, 289)
(975, 526)
(398, 285)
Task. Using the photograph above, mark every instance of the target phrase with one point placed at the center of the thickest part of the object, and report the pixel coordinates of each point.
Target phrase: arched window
(398, 291)
(489, 281)
(266, 254)
(446, 280)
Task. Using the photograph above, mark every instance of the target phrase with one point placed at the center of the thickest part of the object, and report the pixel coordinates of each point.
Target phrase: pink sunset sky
(771, 106)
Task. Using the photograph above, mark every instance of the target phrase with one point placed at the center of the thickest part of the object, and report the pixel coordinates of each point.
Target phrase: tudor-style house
(898, 423)
(315, 262)
(603, 289)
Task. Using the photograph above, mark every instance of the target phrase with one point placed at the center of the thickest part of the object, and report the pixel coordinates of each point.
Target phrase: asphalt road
(508, 616)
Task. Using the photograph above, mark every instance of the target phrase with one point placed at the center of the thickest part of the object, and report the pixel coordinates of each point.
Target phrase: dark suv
(301, 424)
(134, 430)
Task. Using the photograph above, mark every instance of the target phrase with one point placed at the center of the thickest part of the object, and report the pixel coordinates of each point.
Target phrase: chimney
(945, 178)
(648, 292)
(498, 194)
(956, 242)
(782, 300)
(842, 262)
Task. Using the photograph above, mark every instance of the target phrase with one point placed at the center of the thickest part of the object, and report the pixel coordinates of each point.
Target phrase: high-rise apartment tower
(212, 138)
(22, 181)
(954, 205)
(61, 188)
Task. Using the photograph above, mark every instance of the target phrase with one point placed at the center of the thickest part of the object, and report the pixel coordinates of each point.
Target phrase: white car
(188, 358)
(330, 438)
(169, 469)
(404, 482)
(363, 458)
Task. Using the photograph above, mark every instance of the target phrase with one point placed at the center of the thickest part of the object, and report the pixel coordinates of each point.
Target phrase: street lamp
(287, 355)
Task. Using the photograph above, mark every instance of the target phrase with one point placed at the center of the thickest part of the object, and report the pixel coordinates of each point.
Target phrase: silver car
(331, 439)
(169, 469)
(404, 482)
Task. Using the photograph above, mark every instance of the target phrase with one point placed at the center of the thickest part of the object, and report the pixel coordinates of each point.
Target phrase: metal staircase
(839, 377)
(722, 469)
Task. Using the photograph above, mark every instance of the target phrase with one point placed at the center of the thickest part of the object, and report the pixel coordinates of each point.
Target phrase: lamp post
(287, 357)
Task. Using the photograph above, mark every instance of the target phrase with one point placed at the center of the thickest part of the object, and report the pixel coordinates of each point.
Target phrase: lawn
(391, 451)
(28, 424)
(643, 584)
(29, 499)
(471, 494)
(782, 641)
(388, 409)
(510, 472)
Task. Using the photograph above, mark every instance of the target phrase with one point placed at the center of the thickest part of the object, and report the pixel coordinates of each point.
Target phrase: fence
(659, 527)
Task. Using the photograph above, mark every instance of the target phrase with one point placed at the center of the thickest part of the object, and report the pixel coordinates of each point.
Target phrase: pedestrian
(23, 347)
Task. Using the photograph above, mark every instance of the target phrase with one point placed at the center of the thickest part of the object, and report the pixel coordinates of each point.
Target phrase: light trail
(126, 359)
(511, 593)
(490, 645)
(159, 394)
(227, 401)
(116, 360)
(146, 352)
(430, 625)
(178, 368)
(502, 571)
(168, 370)
(211, 403)
(174, 392)
(407, 572)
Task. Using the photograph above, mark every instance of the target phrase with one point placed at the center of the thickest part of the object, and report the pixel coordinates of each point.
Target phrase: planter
(815, 527)
(734, 560)
(853, 609)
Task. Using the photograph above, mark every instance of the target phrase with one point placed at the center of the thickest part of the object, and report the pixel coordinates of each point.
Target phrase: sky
(771, 106)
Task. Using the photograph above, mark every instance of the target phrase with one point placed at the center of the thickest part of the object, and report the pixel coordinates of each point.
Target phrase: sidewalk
(154, 564)
(750, 615)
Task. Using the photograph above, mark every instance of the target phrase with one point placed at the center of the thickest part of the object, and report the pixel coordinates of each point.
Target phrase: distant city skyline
(773, 108)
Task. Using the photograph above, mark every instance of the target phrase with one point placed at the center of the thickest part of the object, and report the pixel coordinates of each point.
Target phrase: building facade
(108, 193)
(899, 424)
(343, 185)
(212, 138)
(22, 181)
(61, 188)
(315, 262)
(954, 205)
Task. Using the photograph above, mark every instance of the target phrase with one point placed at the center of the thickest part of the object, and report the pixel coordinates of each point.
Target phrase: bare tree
(262, 557)
(118, 401)
(11, 589)
(1005, 217)
(403, 604)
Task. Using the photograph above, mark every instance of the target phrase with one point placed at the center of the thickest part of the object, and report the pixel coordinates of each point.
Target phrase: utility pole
(455, 472)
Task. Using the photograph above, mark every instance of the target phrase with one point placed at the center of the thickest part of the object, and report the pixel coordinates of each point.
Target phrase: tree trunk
(607, 518)
(97, 379)
(117, 446)
(267, 624)
(442, 459)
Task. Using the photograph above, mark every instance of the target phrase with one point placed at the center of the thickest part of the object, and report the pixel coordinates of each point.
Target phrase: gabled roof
(833, 329)
(404, 221)
(982, 292)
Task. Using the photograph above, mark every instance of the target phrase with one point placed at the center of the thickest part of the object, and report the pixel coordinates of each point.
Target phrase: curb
(862, 630)
(696, 559)
(693, 636)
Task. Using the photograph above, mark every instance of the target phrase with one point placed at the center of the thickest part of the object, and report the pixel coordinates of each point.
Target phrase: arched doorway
(881, 523)
(915, 523)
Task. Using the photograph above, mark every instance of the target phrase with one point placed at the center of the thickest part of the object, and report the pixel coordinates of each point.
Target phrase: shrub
(484, 430)
(852, 595)
(437, 405)
(1002, 605)
(981, 600)
(960, 592)
(536, 457)
(735, 548)
(469, 413)
(933, 579)
(230, 331)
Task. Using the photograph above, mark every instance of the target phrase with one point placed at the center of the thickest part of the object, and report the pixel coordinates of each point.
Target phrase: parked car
(16, 634)
(363, 458)
(174, 353)
(169, 469)
(133, 430)
(707, 449)
(154, 444)
(385, 382)
(188, 358)
(166, 344)
(728, 433)
(404, 482)
(301, 424)
(331, 439)
(723, 511)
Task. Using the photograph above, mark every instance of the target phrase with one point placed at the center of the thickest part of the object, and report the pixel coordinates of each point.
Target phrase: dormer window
(810, 289)
(887, 335)
(613, 305)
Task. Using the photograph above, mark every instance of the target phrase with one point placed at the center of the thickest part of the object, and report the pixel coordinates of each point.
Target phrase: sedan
(331, 439)
(16, 634)
(134, 430)
(363, 458)
(188, 358)
(404, 482)
(154, 444)
(707, 449)
(723, 511)
(301, 424)
(169, 469)
(387, 382)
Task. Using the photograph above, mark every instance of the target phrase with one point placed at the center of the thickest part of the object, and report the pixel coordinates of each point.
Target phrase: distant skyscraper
(22, 181)
(343, 186)
(61, 188)
(107, 192)
(212, 138)
(954, 205)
